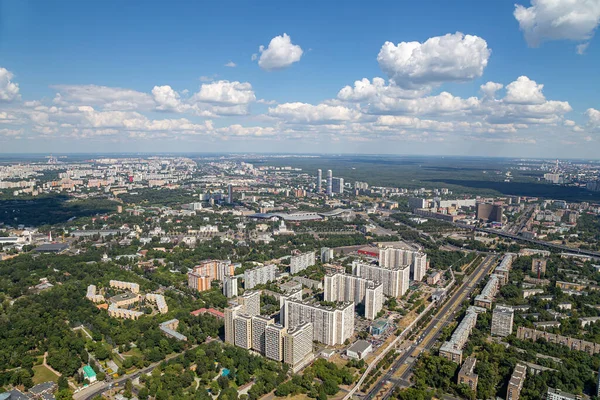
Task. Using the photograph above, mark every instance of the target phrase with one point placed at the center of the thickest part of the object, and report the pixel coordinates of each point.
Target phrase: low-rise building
(359, 349)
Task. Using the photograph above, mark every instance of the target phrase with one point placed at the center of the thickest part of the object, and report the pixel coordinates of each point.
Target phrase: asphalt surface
(431, 333)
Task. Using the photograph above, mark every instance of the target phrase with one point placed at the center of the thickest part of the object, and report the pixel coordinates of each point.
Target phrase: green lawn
(134, 352)
(43, 374)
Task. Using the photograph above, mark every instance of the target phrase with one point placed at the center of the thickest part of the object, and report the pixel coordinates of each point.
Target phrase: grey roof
(52, 247)
(42, 387)
(360, 346)
(14, 394)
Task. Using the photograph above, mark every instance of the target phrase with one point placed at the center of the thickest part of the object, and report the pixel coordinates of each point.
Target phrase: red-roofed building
(211, 311)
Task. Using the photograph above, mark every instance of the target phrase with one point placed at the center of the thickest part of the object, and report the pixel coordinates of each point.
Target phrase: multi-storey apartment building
(92, 296)
(502, 321)
(274, 341)
(230, 286)
(231, 313)
(395, 280)
(301, 262)
(259, 275)
(373, 300)
(132, 287)
(243, 331)
(250, 300)
(298, 345)
(344, 287)
(259, 326)
(159, 300)
(331, 325)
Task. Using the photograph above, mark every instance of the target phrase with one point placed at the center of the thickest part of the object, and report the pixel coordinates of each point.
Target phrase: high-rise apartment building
(231, 313)
(250, 301)
(243, 331)
(351, 288)
(259, 275)
(298, 345)
(502, 321)
(301, 262)
(319, 180)
(489, 212)
(230, 286)
(229, 194)
(395, 280)
(274, 341)
(337, 186)
(390, 257)
(326, 254)
(203, 274)
(329, 182)
(373, 300)
(331, 325)
(259, 326)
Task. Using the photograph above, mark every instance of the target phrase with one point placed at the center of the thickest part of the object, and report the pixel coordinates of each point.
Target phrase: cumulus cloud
(166, 98)
(449, 58)
(9, 90)
(593, 117)
(489, 89)
(312, 114)
(558, 20)
(107, 97)
(231, 64)
(524, 91)
(280, 54)
(225, 93)
(364, 90)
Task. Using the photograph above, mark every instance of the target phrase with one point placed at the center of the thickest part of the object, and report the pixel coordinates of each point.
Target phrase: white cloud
(231, 64)
(489, 89)
(280, 54)
(449, 58)
(166, 98)
(524, 91)
(9, 90)
(558, 20)
(593, 117)
(581, 48)
(109, 98)
(225, 93)
(311, 114)
(364, 90)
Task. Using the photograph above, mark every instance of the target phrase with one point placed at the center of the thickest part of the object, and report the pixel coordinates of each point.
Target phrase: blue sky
(151, 76)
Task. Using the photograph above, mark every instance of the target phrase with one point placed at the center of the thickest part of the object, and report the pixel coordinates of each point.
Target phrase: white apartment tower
(243, 331)
(274, 341)
(230, 286)
(259, 275)
(301, 262)
(250, 301)
(395, 280)
(298, 344)
(329, 182)
(347, 288)
(259, 326)
(373, 300)
(331, 325)
(231, 313)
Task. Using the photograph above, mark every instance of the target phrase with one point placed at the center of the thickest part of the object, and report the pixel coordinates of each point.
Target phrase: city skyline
(307, 78)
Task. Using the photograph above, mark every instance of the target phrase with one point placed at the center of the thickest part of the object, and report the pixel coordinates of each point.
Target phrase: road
(539, 242)
(430, 334)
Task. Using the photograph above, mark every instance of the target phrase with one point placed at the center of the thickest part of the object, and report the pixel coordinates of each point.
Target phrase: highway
(538, 242)
(404, 364)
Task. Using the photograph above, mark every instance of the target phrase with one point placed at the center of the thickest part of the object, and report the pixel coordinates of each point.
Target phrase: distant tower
(230, 194)
(319, 179)
(50, 236)
(329, 182)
